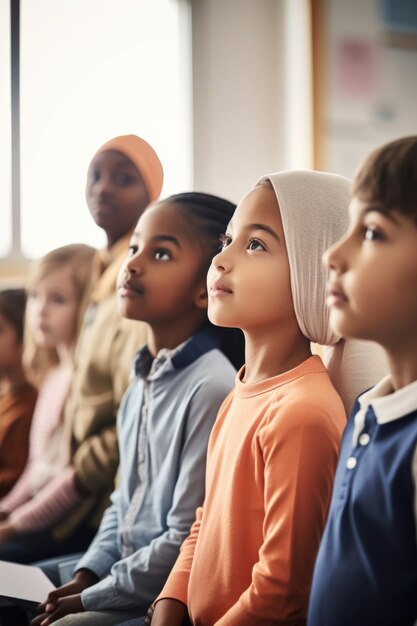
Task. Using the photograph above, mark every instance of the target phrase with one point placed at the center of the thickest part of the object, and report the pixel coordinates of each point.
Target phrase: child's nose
(332, 257)
(135, 264)
(42, 305)
(222, 260)
(104, 185)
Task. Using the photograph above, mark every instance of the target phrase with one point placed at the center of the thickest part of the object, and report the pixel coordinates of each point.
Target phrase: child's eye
(95, 176)
(122, 179)
(225, 240)
(58, 298)
(372, 234)
(255, 244)
(132, 250)
(162, 255)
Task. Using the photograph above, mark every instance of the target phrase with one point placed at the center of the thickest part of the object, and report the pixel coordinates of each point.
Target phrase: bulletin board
(365, 78)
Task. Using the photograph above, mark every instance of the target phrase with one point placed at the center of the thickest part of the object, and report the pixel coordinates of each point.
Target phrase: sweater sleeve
(300, 457)
(49, 505)
(20, 493)
(14, 444)
(41, 422)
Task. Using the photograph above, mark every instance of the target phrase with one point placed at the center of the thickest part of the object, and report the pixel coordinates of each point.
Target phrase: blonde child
(17, 395)
(366, 570)
(182, 376)
(56, 304)
(250, 554)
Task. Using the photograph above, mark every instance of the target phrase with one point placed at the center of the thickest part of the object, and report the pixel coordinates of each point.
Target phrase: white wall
(243, 114)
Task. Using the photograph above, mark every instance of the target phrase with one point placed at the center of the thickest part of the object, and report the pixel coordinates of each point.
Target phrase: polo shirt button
(364, 439)
(351, 462)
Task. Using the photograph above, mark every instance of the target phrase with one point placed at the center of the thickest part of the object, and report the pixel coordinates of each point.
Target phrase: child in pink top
(56, 305)
(249, 558)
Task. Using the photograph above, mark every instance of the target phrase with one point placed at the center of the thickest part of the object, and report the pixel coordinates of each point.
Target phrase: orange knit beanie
(143, 156)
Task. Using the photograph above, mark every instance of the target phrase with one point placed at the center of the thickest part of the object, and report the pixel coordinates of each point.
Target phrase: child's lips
(335, 295)
(128, 289)
(220, 289)
(102, 208)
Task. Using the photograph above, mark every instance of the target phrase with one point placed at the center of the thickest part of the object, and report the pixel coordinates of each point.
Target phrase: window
(90, 71)
(5, 133)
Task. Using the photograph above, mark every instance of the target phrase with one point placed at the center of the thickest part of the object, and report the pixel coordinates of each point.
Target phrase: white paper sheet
(24, 582)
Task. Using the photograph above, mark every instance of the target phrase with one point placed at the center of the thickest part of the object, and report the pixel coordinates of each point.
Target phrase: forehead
(111, 159)
(61, 278)
(357, 208)
(165, 218)
(259, 206)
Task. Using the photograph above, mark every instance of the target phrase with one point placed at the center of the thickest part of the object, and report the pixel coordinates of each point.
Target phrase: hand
(83, 578)
(167, 612)
(4, 515)
(149, 615)
(7, 531)
(62, 606)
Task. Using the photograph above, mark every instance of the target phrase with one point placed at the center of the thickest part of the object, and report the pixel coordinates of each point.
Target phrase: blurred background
(225, 90)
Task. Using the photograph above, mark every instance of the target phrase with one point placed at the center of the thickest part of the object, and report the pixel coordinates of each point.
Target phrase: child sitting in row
(366, 570)
(57, 292)
(17, 395)
(182, 377)
(272, 453)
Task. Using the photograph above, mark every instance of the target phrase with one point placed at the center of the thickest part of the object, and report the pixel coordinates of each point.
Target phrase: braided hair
(208, 216)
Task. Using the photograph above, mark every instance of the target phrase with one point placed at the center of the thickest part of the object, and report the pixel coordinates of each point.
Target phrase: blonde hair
(38, 360)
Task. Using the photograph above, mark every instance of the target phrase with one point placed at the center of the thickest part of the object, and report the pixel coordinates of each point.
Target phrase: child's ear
(201, 297)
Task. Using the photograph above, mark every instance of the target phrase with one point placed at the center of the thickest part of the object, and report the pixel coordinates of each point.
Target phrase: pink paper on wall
(356, 67)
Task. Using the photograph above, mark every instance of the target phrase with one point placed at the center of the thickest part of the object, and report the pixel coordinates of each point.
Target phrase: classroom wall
(251, 89)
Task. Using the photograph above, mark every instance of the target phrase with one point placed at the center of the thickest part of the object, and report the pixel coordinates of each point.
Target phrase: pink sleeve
(45, 416)
(20, 493)
(49, 505)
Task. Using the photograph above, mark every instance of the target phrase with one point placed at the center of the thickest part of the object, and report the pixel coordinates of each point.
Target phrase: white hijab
(314, 213)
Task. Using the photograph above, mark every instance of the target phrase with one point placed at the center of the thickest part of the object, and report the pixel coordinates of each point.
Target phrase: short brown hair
(389, 177)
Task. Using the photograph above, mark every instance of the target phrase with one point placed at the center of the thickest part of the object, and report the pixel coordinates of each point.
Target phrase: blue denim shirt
(184, 394)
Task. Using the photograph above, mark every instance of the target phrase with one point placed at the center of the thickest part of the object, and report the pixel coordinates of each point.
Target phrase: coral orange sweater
(250, 554)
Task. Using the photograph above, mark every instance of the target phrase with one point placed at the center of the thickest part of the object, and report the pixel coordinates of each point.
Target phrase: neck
(113, 239)
(65, 355)
(268, 355)
(172, 335)
(402, 362)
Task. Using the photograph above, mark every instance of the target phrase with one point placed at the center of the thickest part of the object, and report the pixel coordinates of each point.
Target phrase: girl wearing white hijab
(249, 558)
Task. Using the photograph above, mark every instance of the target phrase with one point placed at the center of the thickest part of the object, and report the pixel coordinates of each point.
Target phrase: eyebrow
(161, 239)
(264, 227)
(378, 209)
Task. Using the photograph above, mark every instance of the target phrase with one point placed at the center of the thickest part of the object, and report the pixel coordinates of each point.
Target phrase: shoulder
(308, 402)
(211, 370)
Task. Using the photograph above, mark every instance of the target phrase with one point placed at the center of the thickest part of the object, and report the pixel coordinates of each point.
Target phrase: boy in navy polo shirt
(366, 569)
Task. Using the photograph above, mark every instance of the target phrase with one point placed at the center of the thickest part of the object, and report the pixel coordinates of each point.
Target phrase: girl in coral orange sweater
(249, 558)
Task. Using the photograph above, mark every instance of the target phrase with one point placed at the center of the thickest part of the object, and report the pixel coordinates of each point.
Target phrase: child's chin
(218, 320)
(337, 323)
(125, 311)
